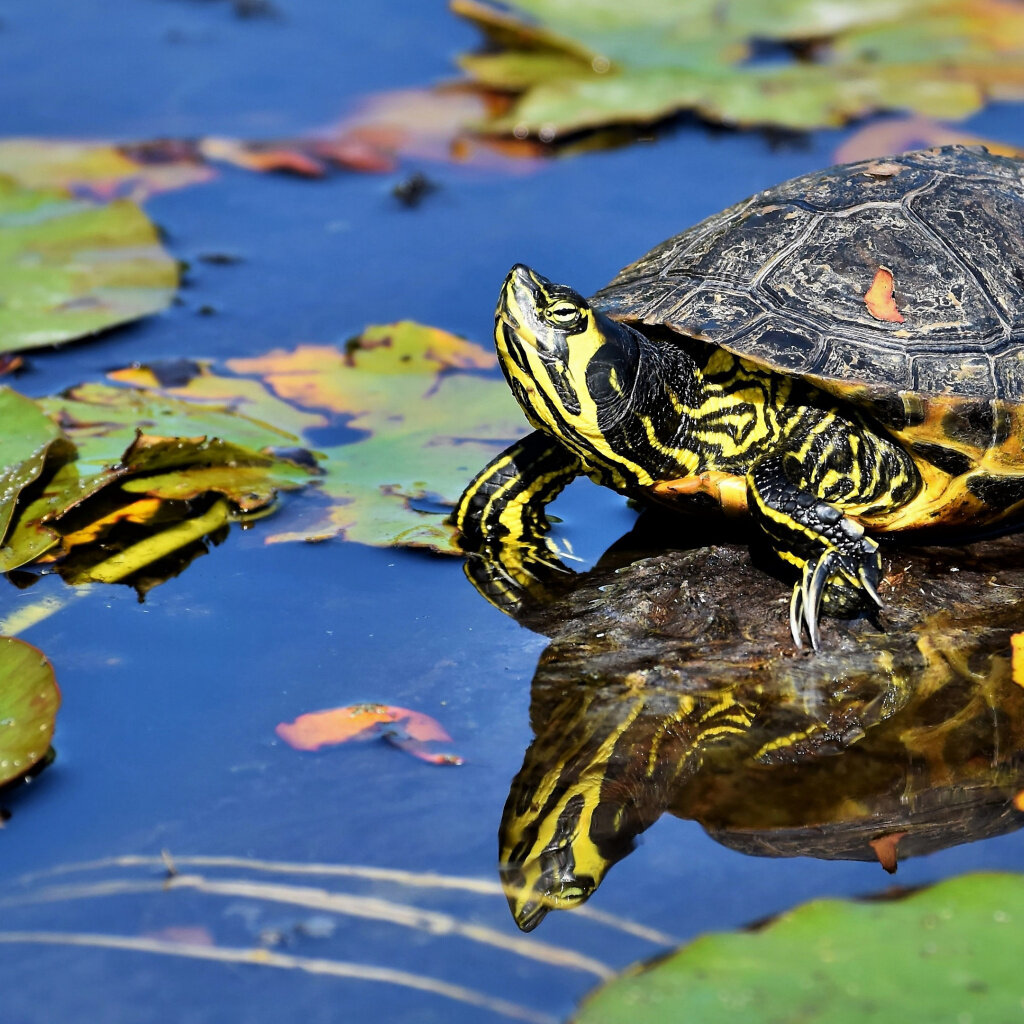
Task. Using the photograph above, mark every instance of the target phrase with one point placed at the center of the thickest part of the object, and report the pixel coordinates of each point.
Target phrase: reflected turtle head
(554, 857)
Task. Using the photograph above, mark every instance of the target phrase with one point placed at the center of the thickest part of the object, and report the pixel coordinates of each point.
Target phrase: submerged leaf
(405, 729)
(591, 63)
(944, 953)
(29, 699)
(69, 268)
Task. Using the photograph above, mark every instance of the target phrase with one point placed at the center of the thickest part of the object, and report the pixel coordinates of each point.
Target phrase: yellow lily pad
(420, 409)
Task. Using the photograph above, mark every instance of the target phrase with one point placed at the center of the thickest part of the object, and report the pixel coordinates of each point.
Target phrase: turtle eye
(563, 313)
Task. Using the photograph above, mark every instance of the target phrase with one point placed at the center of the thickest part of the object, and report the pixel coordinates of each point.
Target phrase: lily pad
(29, 699)
(70, 268)
(153, 445)
(796, 64)
(419, 412)
(103, 170)
(948, 952)
(26, 437)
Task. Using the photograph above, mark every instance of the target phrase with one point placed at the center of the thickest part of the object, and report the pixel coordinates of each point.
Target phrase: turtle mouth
(514, 342)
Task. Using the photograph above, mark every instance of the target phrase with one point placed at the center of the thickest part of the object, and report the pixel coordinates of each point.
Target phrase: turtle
(839, 357)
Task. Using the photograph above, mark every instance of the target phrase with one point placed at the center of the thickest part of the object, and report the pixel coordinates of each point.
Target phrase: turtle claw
(805, 604)
(796, 603)
(868, 586)
(832, 569)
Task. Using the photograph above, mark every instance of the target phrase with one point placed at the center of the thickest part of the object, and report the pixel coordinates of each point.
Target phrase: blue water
(166, 738)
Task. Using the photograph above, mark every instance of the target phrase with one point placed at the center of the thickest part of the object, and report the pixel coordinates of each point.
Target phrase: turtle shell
(895, 283)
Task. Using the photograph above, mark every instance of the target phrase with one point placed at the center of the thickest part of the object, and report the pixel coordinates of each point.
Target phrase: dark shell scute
(827, 280)
(991, 216)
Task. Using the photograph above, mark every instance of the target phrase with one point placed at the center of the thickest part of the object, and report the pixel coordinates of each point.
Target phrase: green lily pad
(24, 442)
(594, 62)
(149, 444)
(70, 268)
(949, 952)
(423, 418)
(29, 699)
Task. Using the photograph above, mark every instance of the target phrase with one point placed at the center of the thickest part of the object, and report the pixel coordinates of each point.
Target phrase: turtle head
(572, 369)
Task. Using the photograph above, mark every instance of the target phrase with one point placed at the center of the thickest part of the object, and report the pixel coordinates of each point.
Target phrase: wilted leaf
(948, 952)
(102, 169)
(408, 730)
(430, 124)
(902, 134)
(29, 699)
(590, 63)
(69, 268)
(423, 420)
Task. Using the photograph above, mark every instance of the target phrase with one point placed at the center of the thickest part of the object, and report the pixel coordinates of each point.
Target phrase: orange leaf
(408, 730)
(879, 300)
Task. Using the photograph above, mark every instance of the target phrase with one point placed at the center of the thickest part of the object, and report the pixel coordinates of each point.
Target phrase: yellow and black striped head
(572, 369)
(557, 844)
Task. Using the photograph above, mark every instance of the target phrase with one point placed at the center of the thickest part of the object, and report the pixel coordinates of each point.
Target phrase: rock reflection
(671, 684)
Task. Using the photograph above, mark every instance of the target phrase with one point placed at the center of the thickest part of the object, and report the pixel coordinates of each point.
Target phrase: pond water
(166, 736)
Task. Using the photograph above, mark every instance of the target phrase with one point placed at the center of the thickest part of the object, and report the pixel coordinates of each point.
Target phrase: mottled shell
(895, 283)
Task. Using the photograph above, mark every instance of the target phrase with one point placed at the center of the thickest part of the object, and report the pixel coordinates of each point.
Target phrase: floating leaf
(591, 63)
(29, 699)
(26, 437)
(422, 416)
(69, 268)
(948, 952)
(903, 134)
(151, 445)
(103, 170)
(408, 730)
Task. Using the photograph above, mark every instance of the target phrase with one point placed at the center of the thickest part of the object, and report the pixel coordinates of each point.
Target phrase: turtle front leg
(503, 523)
(839, 564)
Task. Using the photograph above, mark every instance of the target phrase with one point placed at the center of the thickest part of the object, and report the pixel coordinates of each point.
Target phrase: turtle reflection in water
(657, 694)
(841, 355)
